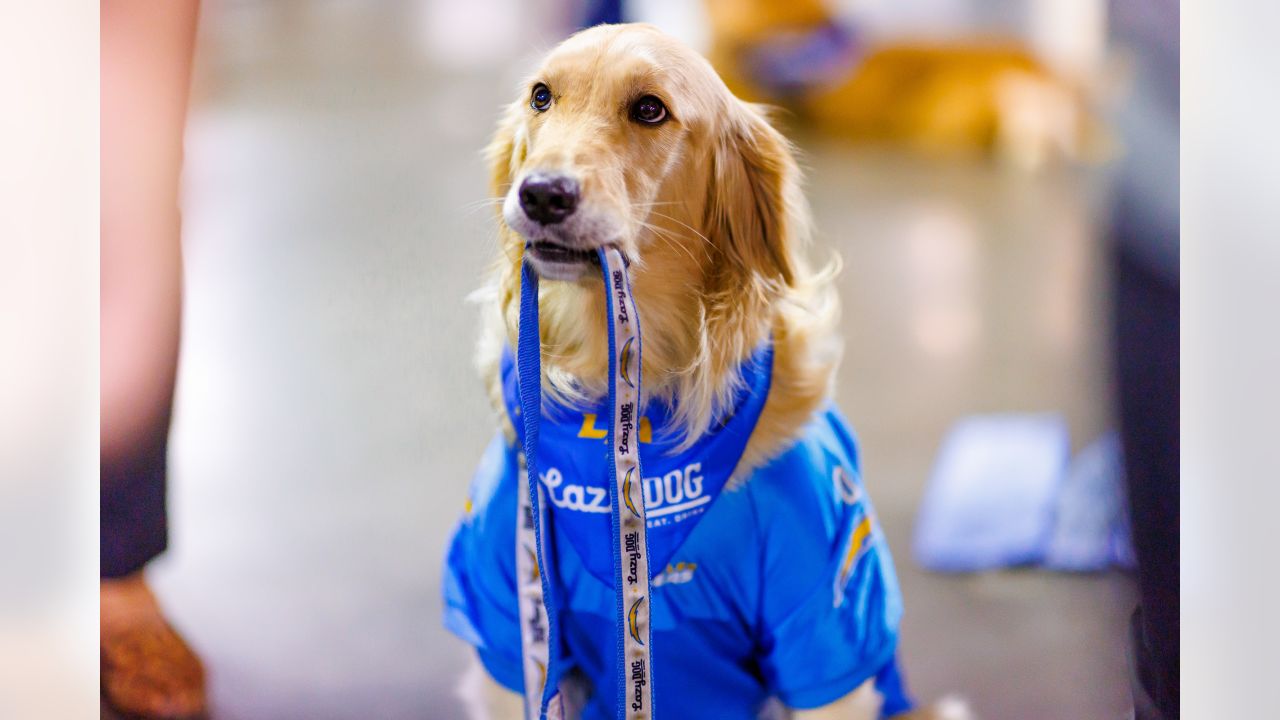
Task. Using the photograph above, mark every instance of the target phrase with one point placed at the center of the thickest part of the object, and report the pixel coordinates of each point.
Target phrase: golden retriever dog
(625, 137)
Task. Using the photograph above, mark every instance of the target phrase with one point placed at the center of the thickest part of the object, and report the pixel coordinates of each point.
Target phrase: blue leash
(538, 631)
(539, 637)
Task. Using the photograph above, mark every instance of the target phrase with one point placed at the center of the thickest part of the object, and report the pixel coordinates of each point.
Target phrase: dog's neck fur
(694, 341)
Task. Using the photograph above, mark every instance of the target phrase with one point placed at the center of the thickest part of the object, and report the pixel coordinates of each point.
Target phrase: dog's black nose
(548, 199)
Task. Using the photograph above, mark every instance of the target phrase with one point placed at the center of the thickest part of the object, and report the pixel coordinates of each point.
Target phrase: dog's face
(625, 137)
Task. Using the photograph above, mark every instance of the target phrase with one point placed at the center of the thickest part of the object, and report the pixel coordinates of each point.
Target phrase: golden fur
(707, 206)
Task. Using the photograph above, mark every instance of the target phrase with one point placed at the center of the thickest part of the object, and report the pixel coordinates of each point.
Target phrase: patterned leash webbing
(535, 632)
(631, 551)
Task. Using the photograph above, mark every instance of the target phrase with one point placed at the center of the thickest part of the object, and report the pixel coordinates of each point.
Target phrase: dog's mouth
(553, 253)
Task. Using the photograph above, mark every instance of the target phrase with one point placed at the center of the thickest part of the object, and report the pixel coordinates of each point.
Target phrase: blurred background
(327, 417)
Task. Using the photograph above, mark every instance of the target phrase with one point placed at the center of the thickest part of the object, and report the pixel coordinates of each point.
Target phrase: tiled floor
(328, 417)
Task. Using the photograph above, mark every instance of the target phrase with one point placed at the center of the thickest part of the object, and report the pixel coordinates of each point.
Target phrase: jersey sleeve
(480, 603)
(830, 604)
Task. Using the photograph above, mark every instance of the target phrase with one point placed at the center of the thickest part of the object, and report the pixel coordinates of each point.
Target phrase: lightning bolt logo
(533, 565)
(631, 620)
(626, 491)
(624, 361)
(857, 543)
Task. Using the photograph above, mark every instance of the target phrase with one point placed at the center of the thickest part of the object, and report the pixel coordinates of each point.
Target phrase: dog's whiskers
(654, 204)
(472, 207)
(681, 222)
(670, 237)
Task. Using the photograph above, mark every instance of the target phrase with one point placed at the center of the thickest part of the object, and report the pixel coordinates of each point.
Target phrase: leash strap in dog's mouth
(631, 549)
(538, 631)
(537, 605)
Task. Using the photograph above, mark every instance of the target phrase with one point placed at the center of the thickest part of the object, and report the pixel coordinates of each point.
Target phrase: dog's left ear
(756, 213)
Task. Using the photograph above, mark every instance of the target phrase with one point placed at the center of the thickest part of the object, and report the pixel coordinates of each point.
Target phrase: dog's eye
(541, 99)
(648, 110)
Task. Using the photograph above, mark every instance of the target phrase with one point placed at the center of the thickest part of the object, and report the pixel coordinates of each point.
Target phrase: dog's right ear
(756, 212)
(506, 151)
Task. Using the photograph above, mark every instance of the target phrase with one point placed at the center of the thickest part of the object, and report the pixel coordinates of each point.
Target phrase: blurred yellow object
(739, 26)
(745, 22)
(992, 98)
(996, 100)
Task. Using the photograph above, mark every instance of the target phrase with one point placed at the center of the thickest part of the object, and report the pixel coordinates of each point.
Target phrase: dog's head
(624, 136)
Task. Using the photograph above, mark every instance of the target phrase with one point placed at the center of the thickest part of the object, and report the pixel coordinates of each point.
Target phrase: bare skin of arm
(146, 70)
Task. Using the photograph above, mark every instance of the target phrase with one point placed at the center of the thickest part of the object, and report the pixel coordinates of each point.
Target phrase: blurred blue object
(1090, 532)
(602, 12)
(990, 501)
(1006, 492)
(790, 62)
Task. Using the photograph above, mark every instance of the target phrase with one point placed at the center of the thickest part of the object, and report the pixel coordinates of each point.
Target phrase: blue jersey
(781, 586)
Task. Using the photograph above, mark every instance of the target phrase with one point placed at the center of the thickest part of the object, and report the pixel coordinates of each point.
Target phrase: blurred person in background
(1146, 233)
(148, 671)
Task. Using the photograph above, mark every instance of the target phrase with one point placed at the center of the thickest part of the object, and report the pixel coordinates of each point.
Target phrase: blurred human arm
(146, 70)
